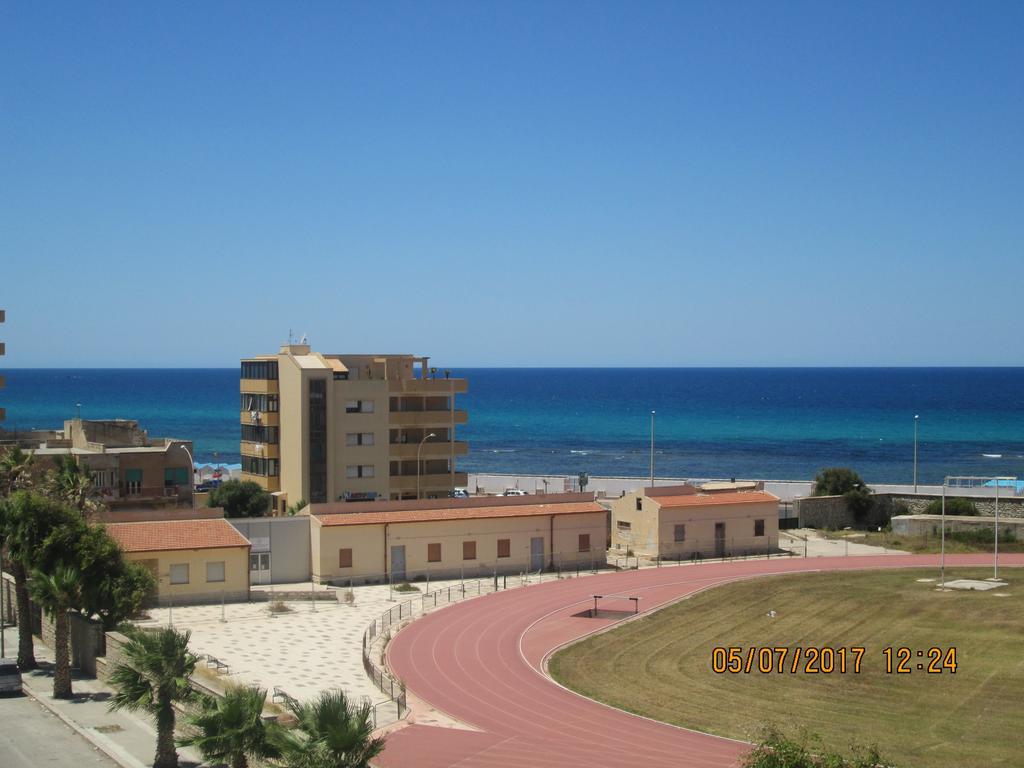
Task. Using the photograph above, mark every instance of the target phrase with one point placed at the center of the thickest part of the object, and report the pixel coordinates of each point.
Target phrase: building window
(317, 441)
(257, 433)
(344, 558)
(359, 438)
(256, 466)
(265, 370)
(175, 476)
(433, 553)
(360, 470)
(259, 403)
(584, 542)
(469, 550)
(504, 547)
(359, 406)
(623, 525)
(639, 504)
(179, 573)
(133, 482)
(680, 533)
(759, 527)
(215, 571)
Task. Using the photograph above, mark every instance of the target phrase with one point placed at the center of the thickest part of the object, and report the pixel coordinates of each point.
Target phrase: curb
(107, 746)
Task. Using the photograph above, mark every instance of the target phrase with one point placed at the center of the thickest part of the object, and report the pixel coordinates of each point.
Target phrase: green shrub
(240, 498)
(775, 750)
(954, 506)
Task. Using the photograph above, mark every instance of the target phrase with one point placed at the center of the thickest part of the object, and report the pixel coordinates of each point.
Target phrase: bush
(775, 750)
(240, 498)
(955, 506)
(405, 586)
(838, 481)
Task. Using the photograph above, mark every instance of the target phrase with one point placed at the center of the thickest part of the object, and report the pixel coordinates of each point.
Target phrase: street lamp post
(652, 449)
(418, 449)
(916, 420)
(191, 476)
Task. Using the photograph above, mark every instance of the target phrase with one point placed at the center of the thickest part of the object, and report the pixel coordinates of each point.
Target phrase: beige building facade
(193, 561)
(3, 351)
(684, 521)
(400, 541)
(325, 428)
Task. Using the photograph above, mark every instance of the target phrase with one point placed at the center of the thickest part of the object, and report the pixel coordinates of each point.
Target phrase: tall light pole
(916, 420)
(652, 449)
(995, 561)
(191, 477)
(418, 449)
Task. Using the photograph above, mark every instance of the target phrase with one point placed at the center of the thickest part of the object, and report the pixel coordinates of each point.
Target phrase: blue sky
(513, 183)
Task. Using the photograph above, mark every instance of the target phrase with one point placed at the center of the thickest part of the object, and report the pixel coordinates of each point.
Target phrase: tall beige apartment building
(326, 428)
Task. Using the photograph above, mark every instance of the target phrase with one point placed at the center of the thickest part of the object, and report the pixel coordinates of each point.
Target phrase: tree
(72, 483)
(841, 481)
(954, 506)
(59, 592)
(155, 675)
(775, 750)
(240, 498)
(15, 471)
(298, 506)
(330, 733)
(27, 520)
(230, 729)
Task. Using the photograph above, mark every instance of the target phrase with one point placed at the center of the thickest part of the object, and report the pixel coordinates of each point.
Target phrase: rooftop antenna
(304, 339)
(291, 336)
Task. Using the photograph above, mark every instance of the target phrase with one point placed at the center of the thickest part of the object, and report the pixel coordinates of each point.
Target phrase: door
(536, 553)
(259, 568)
(719, 539)
(398, 563)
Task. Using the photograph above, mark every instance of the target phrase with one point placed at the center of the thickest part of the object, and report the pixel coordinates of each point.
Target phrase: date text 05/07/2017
(813, 660)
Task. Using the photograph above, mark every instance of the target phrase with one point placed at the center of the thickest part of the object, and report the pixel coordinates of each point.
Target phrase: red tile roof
(164, 535)
(459, 513)
(715, 499)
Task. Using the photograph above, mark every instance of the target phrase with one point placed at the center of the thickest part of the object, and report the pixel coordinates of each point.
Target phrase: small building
(193, 561)
(682, 521)
(446, 538)
(128, 467)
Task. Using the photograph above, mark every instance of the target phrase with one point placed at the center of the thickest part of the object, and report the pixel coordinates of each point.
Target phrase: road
(30, 736)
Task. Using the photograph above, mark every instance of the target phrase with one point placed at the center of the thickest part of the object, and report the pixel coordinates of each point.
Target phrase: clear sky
(518, 183)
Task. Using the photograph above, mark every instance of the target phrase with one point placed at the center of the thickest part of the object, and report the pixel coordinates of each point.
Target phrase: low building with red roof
(194, 561)
(686, 521)
(443, 538)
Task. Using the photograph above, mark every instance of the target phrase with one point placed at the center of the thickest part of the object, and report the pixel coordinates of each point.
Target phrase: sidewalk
(127, 738)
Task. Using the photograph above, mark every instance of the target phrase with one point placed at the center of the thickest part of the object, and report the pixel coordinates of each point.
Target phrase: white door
(259, 568)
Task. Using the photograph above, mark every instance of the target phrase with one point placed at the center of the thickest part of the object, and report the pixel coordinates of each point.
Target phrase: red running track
(482, 662)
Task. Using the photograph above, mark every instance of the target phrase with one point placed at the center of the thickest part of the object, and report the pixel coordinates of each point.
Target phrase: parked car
(10, 676)
(459, 493)
(514, 492)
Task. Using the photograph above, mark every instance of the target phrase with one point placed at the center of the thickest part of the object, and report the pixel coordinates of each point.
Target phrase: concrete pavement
(30, 736)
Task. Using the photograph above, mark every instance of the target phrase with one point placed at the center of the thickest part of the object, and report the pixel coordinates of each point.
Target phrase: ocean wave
(992, 455)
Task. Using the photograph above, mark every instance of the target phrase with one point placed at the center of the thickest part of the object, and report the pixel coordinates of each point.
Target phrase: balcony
(261, 450)
(428, 386)
(432, 449)
(271, 484)
(438, 418)
(267, 418)
(258, 386)
(407, 483)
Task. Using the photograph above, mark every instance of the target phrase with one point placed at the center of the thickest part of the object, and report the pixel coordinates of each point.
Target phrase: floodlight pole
(995, 565)
(916, 419)
(942, 555)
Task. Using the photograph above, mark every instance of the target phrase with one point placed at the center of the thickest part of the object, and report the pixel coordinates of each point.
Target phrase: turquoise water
(770, 423)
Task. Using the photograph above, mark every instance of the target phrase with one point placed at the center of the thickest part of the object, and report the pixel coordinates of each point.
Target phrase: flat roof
(715, 499)
(163, 535)
(460, 513)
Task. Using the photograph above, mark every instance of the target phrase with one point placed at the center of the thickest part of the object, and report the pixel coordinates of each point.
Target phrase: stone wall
(1009, 507)
(823, 512)
(87, 640)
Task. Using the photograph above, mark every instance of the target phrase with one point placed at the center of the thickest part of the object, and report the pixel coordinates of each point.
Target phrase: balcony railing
(264, 418)
(427, 482)
(428, 386)
(258, 386)
(426, 418)
(431, 449)
(261, 450)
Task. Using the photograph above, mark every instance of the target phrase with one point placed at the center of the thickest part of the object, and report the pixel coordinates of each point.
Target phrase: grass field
(660, 666)
(957, 542)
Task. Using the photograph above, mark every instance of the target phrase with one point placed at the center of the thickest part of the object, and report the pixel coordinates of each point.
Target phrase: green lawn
(660, 666)
(957, 542)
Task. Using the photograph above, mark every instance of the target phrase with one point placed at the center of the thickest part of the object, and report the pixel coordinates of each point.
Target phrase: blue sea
(783, 423)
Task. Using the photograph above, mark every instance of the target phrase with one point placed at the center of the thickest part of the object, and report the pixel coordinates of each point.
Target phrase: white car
(459, 493)
(514, 492)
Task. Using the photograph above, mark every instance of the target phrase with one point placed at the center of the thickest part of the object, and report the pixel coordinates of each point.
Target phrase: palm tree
(155, 675)
(330, 733)
(230, 729)
(15, 471)
(73, 484)
(27, 519)
(58, 593)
